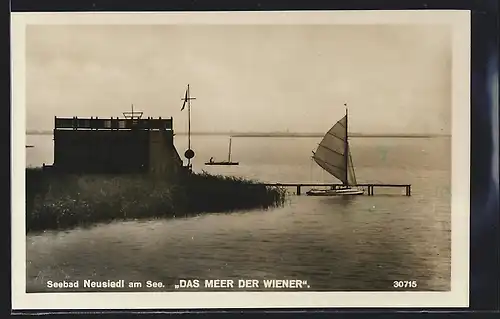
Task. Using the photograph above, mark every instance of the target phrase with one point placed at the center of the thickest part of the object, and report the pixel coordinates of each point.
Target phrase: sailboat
(334, 156)
(228, 162)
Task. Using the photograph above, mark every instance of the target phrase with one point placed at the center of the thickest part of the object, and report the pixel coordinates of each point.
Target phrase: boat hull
(335, 192)
(222, 163)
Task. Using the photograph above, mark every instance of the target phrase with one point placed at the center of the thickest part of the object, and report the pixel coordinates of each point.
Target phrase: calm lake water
(363, 243)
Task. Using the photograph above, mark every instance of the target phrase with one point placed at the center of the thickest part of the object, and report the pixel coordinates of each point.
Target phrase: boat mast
(346, 150)
(229, 156)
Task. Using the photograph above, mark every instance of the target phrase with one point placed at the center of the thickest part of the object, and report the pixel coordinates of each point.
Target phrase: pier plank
(370, 186)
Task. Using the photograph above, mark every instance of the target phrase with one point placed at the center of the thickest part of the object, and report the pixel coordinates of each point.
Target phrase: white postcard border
(459, 21)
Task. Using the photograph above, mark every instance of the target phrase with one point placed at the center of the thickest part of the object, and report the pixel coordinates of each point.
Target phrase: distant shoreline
(284, 134)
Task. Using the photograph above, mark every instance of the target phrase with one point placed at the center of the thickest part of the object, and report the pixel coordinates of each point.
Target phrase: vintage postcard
(240, 159)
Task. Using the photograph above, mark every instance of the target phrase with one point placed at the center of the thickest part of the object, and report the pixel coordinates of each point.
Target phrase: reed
(56, 201)
(212, 193)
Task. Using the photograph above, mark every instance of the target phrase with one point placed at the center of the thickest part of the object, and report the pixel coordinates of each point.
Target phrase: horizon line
(278, 134)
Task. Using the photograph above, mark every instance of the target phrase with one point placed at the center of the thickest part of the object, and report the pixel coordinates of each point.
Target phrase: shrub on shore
(56, 201)
(222, 193)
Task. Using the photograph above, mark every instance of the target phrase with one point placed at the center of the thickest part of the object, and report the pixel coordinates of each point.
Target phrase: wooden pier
(370, 187)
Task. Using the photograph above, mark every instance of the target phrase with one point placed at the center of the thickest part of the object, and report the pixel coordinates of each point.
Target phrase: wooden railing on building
(95, 123)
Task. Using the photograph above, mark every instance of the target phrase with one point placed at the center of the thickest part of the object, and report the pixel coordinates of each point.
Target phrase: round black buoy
(189, 154)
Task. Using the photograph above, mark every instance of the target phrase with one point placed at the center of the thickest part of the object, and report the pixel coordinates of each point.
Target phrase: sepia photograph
(242, 153)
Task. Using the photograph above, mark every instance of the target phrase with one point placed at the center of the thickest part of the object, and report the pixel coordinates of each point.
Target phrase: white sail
(330, 154)
(350, 172)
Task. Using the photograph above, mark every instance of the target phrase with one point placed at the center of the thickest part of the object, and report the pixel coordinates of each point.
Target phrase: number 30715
(404, 284)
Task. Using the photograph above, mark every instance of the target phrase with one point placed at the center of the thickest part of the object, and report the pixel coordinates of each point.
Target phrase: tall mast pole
(189, 123)
(189, 154)
(346, 150)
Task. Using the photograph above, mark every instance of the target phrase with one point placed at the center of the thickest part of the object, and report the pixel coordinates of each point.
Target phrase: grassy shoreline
(56, 201)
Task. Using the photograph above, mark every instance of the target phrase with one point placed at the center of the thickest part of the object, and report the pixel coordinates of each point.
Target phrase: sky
(394, 78)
